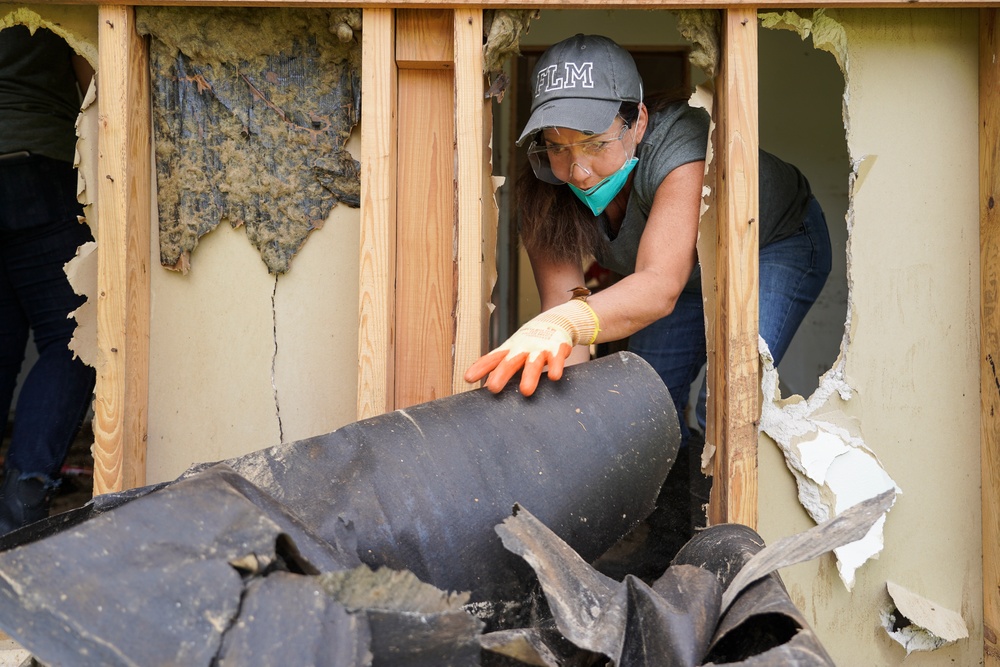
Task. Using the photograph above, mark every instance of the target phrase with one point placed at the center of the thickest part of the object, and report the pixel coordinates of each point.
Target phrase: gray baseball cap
(580, 84)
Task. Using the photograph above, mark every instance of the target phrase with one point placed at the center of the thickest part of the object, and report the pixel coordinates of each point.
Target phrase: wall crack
(274, 359)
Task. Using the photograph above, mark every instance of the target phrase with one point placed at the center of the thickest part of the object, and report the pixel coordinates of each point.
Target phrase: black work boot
(23, 499)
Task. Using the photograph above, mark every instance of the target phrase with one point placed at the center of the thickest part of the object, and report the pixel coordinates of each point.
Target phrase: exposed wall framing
(989, 268)
(422, 315)
(122, 390)
(735, 407)
(123, 223)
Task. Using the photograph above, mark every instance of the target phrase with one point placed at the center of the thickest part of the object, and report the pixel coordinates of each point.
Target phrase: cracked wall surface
(243, 356)
(244, 359)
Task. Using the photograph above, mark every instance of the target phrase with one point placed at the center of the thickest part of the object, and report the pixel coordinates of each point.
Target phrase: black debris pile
(392, 541)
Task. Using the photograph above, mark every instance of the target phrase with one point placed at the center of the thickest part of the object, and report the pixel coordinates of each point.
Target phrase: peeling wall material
(255, 139)
(833, 467)
(918, 624)
(82, 269)
(82, 274)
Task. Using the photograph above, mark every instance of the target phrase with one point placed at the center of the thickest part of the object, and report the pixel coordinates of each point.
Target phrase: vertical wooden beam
(989, 339)
(376, 302)
(425, 216)
(471, 326)
(736, 386)
(122, 390)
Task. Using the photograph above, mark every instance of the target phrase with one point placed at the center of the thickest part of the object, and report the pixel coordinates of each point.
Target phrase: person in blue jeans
(619, 179)
(40, 230)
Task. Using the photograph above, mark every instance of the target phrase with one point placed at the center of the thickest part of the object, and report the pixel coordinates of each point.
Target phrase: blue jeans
(39, 233)
(792, 273)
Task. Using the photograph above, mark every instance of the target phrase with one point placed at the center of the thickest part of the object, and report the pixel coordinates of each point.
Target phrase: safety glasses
(552, 163)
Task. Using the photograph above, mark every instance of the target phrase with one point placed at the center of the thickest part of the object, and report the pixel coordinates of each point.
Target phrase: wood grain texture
(989, 257)
(425, 282)
(471, 324)
(122, 389)
(376, 293)
(736, 384)
(424, 39)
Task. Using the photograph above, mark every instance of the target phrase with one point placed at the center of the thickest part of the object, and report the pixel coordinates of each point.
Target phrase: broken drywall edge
(918, 624)
(82, 269)
(82, 274)
(823, 447)
(860, 169)
(833, 467)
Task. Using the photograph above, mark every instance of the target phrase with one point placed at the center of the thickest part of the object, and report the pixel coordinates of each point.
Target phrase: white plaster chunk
(833, 467)
(928, 626)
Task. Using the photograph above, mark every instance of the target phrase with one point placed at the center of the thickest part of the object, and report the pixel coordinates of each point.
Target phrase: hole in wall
(800, 120)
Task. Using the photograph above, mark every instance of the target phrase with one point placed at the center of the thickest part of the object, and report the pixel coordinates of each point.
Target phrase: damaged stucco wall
(246, 352)
(902, 396)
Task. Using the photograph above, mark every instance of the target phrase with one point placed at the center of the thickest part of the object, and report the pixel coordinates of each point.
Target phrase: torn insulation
(827, 34)
(503, 29)
(701, 28)
(252, 109)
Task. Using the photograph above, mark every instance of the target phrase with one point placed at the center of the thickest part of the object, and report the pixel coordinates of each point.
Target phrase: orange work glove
(546, 339)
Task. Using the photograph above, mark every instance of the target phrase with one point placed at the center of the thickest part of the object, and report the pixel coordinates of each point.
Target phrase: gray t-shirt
(676, 136)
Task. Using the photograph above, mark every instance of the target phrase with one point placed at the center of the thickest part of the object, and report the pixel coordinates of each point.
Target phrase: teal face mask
(598, 197)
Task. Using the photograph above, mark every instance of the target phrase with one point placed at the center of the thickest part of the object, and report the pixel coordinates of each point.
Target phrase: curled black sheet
(684, 619)
(423, 487)
(175, 573)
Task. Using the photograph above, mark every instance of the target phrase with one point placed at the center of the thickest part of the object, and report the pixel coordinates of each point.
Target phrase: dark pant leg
(793, 272)
(13, 339)
(675, 347)
(59, 388)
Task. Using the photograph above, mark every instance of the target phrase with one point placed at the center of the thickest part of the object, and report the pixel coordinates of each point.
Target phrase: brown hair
(553, 223)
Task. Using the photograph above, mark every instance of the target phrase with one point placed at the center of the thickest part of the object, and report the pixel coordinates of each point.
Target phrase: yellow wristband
(575, 317)
(597, 322)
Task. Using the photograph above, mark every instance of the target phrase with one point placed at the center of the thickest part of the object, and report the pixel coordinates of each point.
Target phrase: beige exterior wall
(911, 355)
